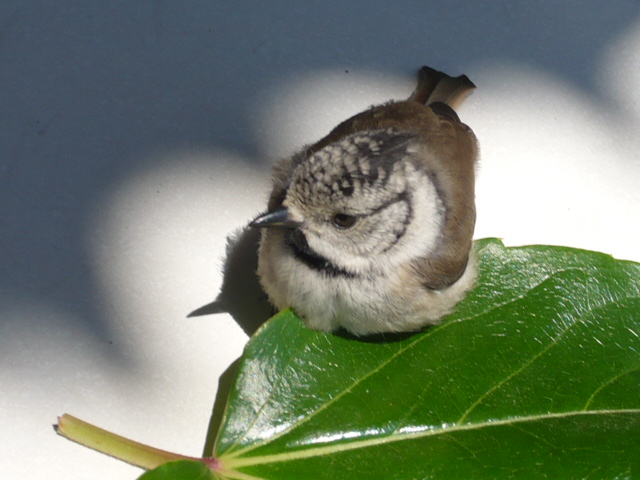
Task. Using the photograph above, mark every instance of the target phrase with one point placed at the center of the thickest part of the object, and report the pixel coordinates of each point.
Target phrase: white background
(136, 135)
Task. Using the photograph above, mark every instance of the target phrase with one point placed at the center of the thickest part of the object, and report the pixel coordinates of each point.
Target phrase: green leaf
(180, 470)
(536, 375)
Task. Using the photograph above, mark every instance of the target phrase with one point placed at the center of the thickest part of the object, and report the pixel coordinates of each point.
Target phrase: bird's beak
(279, 218)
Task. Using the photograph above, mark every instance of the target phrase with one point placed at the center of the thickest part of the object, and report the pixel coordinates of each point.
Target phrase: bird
(370, 229)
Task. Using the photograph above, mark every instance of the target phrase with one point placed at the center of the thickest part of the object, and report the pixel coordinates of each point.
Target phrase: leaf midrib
(232, 464)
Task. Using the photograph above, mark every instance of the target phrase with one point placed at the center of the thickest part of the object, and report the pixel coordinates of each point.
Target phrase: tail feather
(435, 86)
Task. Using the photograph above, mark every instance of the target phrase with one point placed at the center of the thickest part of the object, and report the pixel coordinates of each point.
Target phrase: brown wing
(449, 152)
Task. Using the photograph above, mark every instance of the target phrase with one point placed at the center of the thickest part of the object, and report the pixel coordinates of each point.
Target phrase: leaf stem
(135, 453)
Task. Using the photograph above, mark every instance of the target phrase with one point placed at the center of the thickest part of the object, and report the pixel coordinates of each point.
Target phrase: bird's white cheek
(423, 230)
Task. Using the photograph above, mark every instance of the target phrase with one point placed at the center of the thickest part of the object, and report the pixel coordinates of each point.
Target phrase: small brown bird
(370, 228)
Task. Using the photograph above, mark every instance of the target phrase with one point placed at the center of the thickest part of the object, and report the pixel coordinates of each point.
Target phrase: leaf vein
(591, 308)
(608, 382)
(235, 463)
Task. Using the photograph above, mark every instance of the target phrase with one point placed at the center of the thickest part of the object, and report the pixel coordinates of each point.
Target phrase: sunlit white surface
(125, 163)
(556, 167)
(309, 106)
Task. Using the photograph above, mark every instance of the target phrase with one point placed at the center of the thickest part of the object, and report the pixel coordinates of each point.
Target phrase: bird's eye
(342, 220)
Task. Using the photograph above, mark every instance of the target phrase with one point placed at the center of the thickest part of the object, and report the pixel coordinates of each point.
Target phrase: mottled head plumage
(359, 166)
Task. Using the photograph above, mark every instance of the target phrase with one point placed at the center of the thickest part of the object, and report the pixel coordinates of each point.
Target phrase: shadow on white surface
(241, 295)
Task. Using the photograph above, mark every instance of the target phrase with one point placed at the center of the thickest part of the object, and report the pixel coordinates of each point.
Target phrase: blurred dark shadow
(241, 294)
(225, 382)
(379, 338)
